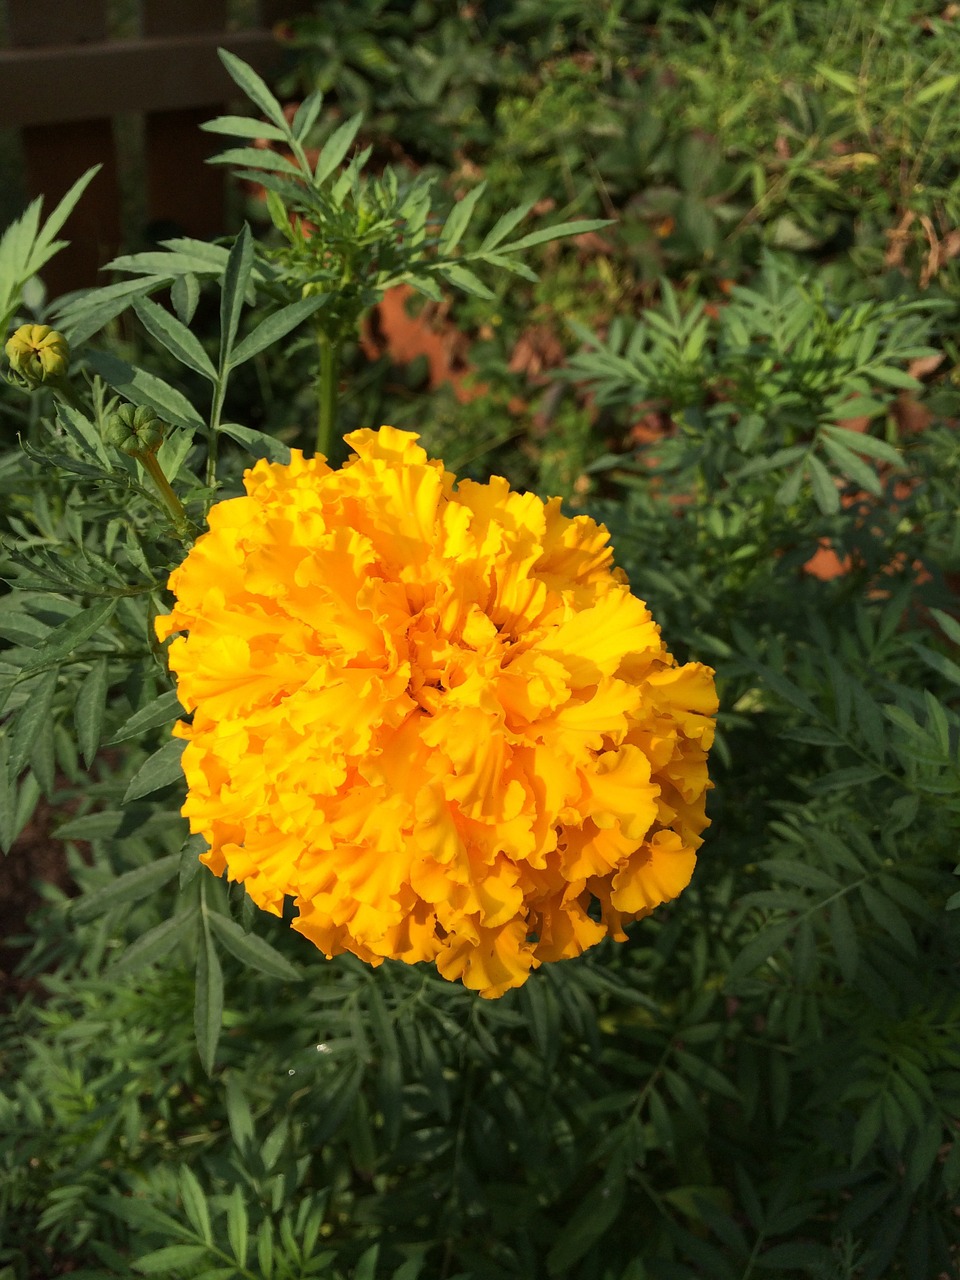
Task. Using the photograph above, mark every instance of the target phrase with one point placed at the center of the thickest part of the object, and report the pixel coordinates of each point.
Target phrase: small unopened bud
(38, 354)
(135, 430)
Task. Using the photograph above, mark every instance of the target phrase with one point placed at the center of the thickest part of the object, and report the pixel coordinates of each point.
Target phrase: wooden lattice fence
(124, 83)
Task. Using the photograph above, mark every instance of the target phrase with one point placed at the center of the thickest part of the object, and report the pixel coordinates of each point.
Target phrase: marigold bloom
(434, 714)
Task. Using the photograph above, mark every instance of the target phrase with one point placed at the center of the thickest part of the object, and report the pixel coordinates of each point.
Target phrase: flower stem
(168, 497)
(327, 386)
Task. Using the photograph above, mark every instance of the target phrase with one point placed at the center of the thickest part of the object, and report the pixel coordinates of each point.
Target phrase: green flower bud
(135, 430)
(38, 354)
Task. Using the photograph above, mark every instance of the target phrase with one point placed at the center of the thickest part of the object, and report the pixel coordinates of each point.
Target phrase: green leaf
(335, 148)
(238, 1226)
(306, 114)
(176, 337)
(208, 1001)
(855, 775)
(275, 327)
(185, 294)
(251, 950)
(63, 640)
(824, 490)
(459, 219)
(158, 712)
(464, 279)
(190, 863)
(252, 158)
(888, 917)
(545, 234)
(59, 216)
(257, 442)
(31, 718)
(861, 442)
(948, 669)
(505, 224)
(939, 88)
(89, 710)
(245, 127)
(852, 467)
(234, 285)
(155, 943)
(172, 1257)
(801, 1254)
(948, 625)
(759, 949)
(142, 388)
(255, 88)
(590, 1220)
(159, 770)
(195, 1203)
(132, 886)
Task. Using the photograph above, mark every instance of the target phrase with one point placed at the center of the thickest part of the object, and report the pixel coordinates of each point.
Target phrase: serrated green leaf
(464, 279)
(208, 1001)
(142, 388)
(251, 950)
(160, 711)
(171, 1258)
(938, 88)
(255, 88)
(89, 710)
(839, 779)
(190, 863)
(862, 442)
(30, 719)
(853, 467)
(63, 640)
(195, 1203)
(504, 225)
(234, 285)
(185, 294)
(172, 334)
(257, 442)
(562, 229)
(459, 219)
(797, 1256)
(939, 662)
(159, 770)
(888, 917)
(245, 127)
(253, 158)
(824, 490)
(238, 1226)
(590, 1220)
(155, 943)
(335, 148)
(275, 327)
(132, 886)
(306, 114)
(759, 949)
(950, 626)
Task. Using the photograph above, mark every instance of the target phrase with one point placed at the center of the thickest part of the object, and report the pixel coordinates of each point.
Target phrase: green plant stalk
(170, 500)
(213, 431)
(327, 387)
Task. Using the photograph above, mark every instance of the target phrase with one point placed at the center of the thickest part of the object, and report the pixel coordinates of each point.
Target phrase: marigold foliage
(434, 714)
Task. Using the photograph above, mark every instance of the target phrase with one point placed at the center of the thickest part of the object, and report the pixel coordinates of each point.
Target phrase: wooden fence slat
(91, 81)
(39, 22)
(184, 194)
(56, 155)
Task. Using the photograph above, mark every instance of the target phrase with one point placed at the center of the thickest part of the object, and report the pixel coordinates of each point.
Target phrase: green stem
(327, 387)
(213, 432)
(168, 497)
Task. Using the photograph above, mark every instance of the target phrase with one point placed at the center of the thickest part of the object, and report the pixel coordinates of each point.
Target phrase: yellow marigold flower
(434, 714)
